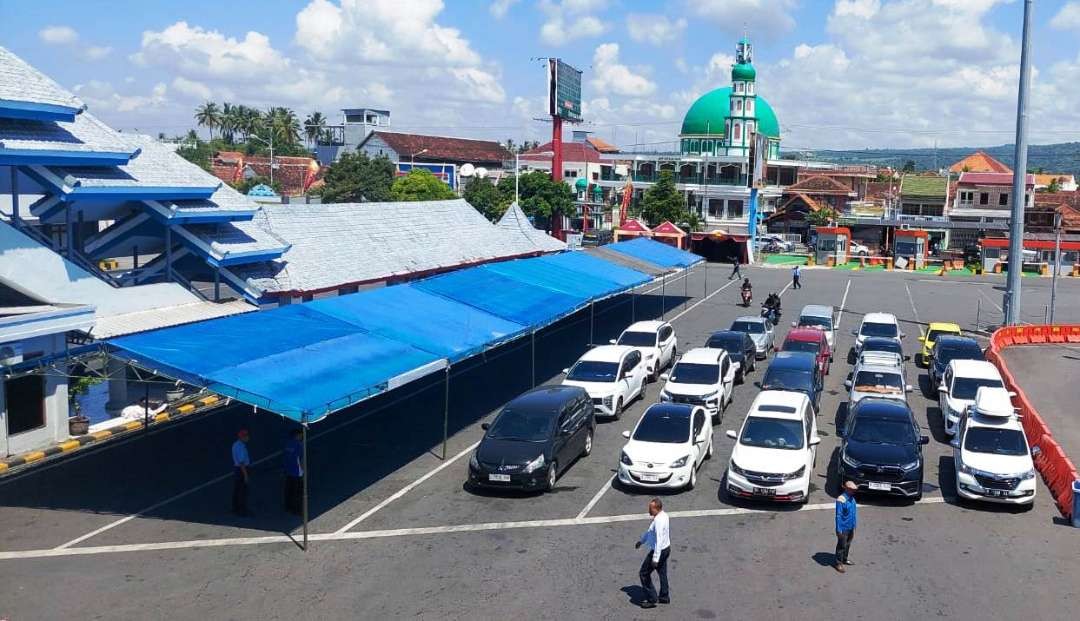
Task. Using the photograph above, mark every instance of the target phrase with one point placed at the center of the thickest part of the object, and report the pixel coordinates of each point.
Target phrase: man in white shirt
(658, 540)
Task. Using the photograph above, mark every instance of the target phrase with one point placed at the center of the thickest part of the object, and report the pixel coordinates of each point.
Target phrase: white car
(858, 249)
(990, 450)
(877, 380)
(655, 340)
(613, 375)
(959, 384)
(882, 325)
(666, 447)
(887, 358)
(776, 450)
(760, 330)
(704, 377)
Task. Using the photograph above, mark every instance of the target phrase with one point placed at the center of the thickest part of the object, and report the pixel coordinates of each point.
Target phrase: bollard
(1076, 504)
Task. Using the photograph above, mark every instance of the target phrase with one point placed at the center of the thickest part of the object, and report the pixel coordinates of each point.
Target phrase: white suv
(960, 383)
(704, 377)
(990, 450)
(776, 450)
(876, 324)
(655, 340)
(613, 375)
(877, 379)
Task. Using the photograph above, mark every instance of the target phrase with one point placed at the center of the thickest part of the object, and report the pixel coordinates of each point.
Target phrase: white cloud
(654, 29)
(192, 89)
(611, 76)
(499, 8)
(1068, 18)
(58, 35)
(570, 20)
(764, 19)
(102, 95)
(97, 52)
(196, 51)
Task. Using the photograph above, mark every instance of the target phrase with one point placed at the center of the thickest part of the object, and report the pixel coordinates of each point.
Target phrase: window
(699, 422)
(738, 87)
(1003, 199)
(738, 105)
(568, 174)
(25, 403)
(665, 333)
(749, 106)
(736, 133)
(724, 367)
(984, 198)
(707, 146)
(967, 197)
(695, 145)
(735, 209)
(716, 208)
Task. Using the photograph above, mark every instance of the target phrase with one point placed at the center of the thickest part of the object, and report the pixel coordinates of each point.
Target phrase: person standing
(795, 273)
(845, 525)
(658, 539)
(241, 474)
(294, 473)
(735, 265)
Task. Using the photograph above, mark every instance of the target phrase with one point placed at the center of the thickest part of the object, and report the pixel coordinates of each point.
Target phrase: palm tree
(229, 122)
(250, 121)
(314, 126)
(209, 116)
(284, 124)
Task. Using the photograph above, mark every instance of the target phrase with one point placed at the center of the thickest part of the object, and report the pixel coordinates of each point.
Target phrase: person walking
(845, 525)
(241, 467)
(735, 265)
(294, 473)
(795, 273)
(658, 539)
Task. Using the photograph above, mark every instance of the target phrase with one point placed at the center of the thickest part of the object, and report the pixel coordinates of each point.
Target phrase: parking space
(1047, 375)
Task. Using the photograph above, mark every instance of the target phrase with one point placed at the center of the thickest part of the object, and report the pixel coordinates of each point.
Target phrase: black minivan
(534, 439)
(881, 448)
(796, 371)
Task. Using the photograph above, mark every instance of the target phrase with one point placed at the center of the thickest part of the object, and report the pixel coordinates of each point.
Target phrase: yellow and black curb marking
(75, 443)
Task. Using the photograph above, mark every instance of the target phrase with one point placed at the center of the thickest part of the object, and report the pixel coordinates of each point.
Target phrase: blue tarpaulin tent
(656, 253)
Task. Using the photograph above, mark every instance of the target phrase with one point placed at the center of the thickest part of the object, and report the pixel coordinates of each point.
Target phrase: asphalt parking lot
(141, 529)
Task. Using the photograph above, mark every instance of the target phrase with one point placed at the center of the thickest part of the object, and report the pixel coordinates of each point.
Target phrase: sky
(846, 74)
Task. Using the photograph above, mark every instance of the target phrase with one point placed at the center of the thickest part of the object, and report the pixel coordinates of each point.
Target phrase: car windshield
(753, 327)
(786, 379)
(888, 345)
(875, 430)
(995, 441)
(933, 334)
(776, 433)
(809, 321)
(731, 342)
(966, 387)
(666, 428)
(879, 382)
(593, 371)
(690, 373)
(807, 346)
(638, 339)
(522, 425)
(959, 352)
(887, 330)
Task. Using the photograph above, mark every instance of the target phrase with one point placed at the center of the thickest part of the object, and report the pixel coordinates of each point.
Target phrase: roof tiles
(21, 82)
(515, 221)
(86, 134)
(444, 148)
(979, 161)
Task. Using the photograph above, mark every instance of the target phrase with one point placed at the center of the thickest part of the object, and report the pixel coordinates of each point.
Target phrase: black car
(740, 348)
(534, 439)
(796, 371)
(881, 448)
(597, 237)
(947, 348)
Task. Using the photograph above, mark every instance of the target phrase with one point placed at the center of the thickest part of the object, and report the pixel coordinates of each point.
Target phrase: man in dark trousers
(241, 467)
(294, 473)
(658, 540)
(795, 273)
(845, 524)
(735, 273)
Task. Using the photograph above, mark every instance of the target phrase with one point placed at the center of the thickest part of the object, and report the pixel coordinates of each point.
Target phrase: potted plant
(79, 425)
(175, 393)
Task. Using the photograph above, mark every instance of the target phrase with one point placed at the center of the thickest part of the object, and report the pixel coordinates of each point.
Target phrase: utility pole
(1019, 192)
(1057, 264)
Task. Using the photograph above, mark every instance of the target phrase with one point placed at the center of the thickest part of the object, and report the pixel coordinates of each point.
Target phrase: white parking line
(843, 303)
(405, 532)
(914, 310)
(596, 498)
(704, 299)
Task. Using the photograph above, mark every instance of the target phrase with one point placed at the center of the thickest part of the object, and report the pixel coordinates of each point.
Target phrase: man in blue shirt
(846, 512)
(294, 473)
(796, 272)
(241, 465)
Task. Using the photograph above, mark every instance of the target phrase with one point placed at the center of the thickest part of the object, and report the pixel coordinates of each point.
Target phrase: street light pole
(1057, 264)
(1019, 192)
(517, 171)
(270, 143)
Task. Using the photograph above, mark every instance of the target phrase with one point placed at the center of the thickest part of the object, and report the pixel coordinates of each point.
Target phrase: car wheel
(588, 444)
(644, 390)
(552, 475)
(618, 409)
(693, 478)
(918, 496)
(740, 377)
(806, 496)
(708, 453)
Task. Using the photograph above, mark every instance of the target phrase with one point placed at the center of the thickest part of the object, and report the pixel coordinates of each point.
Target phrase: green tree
(663, 201)
(420, 185)
(356, 177)
(1054, 185)
(209, 116)
(485, 197)
(230, 119)
(822, 217)
(909, 166)
(195, 150)
(540, 196)
(314, 126)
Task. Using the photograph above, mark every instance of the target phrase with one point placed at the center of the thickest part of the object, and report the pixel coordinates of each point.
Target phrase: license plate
(880, 487)
(996, 492)
(764, 491)
(649, 478)
(500, 478)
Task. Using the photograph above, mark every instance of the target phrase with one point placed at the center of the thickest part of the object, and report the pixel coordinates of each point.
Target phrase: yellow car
(934, 330)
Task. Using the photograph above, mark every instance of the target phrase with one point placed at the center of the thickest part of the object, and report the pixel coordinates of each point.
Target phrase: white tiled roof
(155, 166)
(225, 198)
(154, 318)
(21, 82)
(338, 244)
(225, 238)
(85, 134)
(515, 221)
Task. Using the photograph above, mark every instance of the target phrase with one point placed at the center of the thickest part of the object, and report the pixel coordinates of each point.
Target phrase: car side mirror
(664, 376)
(1036, 451)
(1012, 393)
(922, 339)
(943, 388)
(847, 383)
(758, 385)
(731, 434)
(626, 434)
(612, 341)
(854, 333)
(902, 335)
(924, 439)
(794, 324)
(816, 440)
(908, 388)
(565, 371)
(485, 426)
(907, 358)
(955, 443)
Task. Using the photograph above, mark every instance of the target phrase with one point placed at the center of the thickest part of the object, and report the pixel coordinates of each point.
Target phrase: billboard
(564, 91)
(759, 150)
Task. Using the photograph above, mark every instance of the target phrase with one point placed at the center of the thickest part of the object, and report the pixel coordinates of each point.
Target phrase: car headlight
(649, 356)
(625, 459)
(795, 475)
(966, 469)
(1030, 474)
(910, 466)
(608, 400)
(535, 464)
(474, 463)
(736, 469)
(680, 462)
(665, 395)
(709, 395)
(854, 463)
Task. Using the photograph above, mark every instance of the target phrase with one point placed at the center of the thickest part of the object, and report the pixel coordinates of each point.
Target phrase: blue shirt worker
(846, 515)
(795, 273)
(241, 467)
(658, 540)
(294, 473)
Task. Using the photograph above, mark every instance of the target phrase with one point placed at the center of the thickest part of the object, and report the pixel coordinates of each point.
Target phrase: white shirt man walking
(658, 540)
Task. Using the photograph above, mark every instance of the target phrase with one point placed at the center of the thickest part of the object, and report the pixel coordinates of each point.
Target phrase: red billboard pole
(556, 170)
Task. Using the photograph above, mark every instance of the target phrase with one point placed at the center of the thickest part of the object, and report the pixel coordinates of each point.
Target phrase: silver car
(886, 381)
(821, 317)
(760, 330)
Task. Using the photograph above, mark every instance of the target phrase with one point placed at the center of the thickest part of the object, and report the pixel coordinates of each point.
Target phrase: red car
(810, 340)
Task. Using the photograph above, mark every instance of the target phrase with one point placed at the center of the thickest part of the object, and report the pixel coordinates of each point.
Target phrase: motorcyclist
(772, 307)
(747, 291)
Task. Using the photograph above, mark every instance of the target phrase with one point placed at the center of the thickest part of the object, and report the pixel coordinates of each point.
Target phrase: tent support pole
(705, 277)
(304, 432)
(146, 406)
(663, 296)
(592, 315)
(532, 349)
(686, 287)
(446, 411)
(633, 305)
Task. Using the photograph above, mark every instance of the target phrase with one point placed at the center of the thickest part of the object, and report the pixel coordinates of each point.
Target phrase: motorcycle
(747, 297)
(771, 313)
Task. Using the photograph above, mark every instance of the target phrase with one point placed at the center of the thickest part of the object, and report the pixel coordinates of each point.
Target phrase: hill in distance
(1050, 158)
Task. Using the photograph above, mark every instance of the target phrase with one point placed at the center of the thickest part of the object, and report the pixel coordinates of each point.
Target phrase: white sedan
(613, 375)
(655, 340)
(666, 447)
